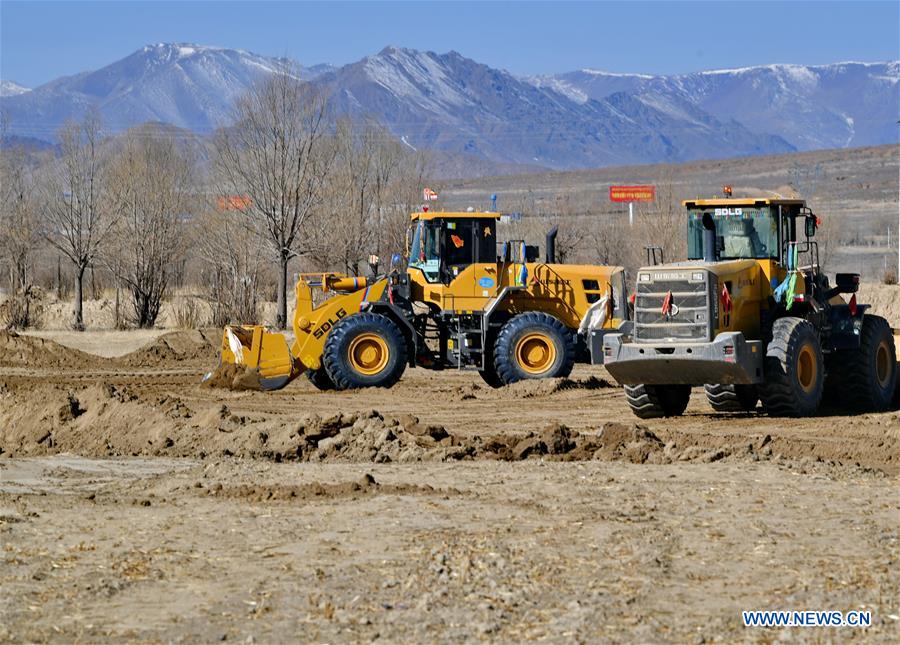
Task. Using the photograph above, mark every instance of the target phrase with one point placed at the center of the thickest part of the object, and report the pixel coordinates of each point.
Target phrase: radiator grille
(690, 314)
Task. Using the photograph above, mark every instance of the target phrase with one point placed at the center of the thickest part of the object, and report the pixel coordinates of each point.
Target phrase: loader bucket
(260, 352)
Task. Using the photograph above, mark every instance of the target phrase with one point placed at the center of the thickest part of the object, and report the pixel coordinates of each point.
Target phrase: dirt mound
(196, 346)
(532, 388)
(885, 300)
(229, 376)
(364, 487)
(122, 420)
(29, 351)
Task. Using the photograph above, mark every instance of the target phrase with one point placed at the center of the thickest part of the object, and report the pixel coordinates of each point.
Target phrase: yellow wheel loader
(751, 317)
(463, 301)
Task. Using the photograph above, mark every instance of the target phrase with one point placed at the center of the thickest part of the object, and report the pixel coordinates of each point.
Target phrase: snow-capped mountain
(9, 88)
(452, 103)
(810, 106)
(186, 85)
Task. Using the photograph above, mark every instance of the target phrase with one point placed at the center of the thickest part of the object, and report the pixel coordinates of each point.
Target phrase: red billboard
(632, 193)
(233, 203)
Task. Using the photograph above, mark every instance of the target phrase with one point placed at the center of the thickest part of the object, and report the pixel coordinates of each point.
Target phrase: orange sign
(233, 203)
(632, 193)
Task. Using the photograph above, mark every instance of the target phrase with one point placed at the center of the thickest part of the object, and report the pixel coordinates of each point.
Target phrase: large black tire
(533, 345)
(657, 401)
(365, 350)
(320, 379)
(866, 378)
(732, 398)
(489, 373)
(794, 371)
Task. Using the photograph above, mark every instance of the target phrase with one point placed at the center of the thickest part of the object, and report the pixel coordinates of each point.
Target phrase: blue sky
(40, 41)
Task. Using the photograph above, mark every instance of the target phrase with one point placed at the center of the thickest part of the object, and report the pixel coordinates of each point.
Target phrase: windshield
(747, 232)
(424, 252)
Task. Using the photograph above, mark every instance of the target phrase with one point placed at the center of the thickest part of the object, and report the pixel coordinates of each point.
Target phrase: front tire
(533, 345)
(732, 398)
(320, 379)
(794, 374)
(657, 401)
(365, 350)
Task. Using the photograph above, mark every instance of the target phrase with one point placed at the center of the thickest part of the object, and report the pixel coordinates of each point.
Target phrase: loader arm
(255, 348)
(312, 324)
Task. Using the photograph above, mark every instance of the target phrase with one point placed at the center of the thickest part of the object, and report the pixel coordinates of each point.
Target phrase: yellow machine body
(510, 285)
(256, 348)
(565, 291)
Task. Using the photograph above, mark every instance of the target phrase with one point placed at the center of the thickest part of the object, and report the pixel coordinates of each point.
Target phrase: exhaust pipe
(710, 253)
(551, 245)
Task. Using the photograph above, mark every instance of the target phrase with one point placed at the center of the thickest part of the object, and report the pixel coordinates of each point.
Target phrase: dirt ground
(136, 504)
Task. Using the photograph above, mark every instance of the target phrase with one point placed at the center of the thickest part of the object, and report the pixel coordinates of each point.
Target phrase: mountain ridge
(451, 103)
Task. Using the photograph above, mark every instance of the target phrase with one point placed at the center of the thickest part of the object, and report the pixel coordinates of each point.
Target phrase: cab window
(424, 253)
(745, 233)
(468, 241)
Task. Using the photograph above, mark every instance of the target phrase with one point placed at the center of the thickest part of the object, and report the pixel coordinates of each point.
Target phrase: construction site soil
(136, 503)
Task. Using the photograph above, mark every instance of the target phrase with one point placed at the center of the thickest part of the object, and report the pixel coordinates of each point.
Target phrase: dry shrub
(186, 313)
(889, 276)
(23, 309)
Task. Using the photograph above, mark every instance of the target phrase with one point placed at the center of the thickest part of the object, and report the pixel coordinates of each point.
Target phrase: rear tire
(489, 373)
(867, 377)
(657, 401)
(794, 374)
(732, 398)
(365, 350)
(533, 345)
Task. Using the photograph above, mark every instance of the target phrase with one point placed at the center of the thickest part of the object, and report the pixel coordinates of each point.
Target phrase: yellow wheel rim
(883, 365)
(535, 353)
(369, 354)
(807, 368)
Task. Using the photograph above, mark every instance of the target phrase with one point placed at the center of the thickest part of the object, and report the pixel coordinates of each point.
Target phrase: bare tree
(661, 224)
(404, 197)
(359, 196)
(539, 216)
(18, 217)
(273, 154)
(231, 257)
(77, 218)
(152, 178)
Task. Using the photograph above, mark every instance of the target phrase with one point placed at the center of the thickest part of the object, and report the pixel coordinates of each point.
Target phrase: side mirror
(810, 225)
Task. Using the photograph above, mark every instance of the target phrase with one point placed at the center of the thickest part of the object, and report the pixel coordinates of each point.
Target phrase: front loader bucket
(260, 352)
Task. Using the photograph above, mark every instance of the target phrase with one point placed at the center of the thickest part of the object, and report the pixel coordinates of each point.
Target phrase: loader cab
(444, 245)
(747, 229)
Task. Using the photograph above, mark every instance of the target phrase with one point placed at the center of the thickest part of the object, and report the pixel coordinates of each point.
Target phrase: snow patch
(560, 87)
(600, 72)
(9, 88)
(415, 76)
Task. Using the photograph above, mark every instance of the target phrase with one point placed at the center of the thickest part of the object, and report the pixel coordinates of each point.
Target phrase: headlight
(644, 277)
(697, 276)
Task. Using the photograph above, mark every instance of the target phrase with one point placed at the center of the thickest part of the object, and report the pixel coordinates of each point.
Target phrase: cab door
(469, 263)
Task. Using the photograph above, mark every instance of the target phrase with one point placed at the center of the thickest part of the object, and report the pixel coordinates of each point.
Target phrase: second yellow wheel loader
(751, 317)
(463, 302)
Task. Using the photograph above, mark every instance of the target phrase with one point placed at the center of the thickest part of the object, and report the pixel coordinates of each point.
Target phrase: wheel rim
(535, 353)
(883, 365)
(369, 354)
(807, 368)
